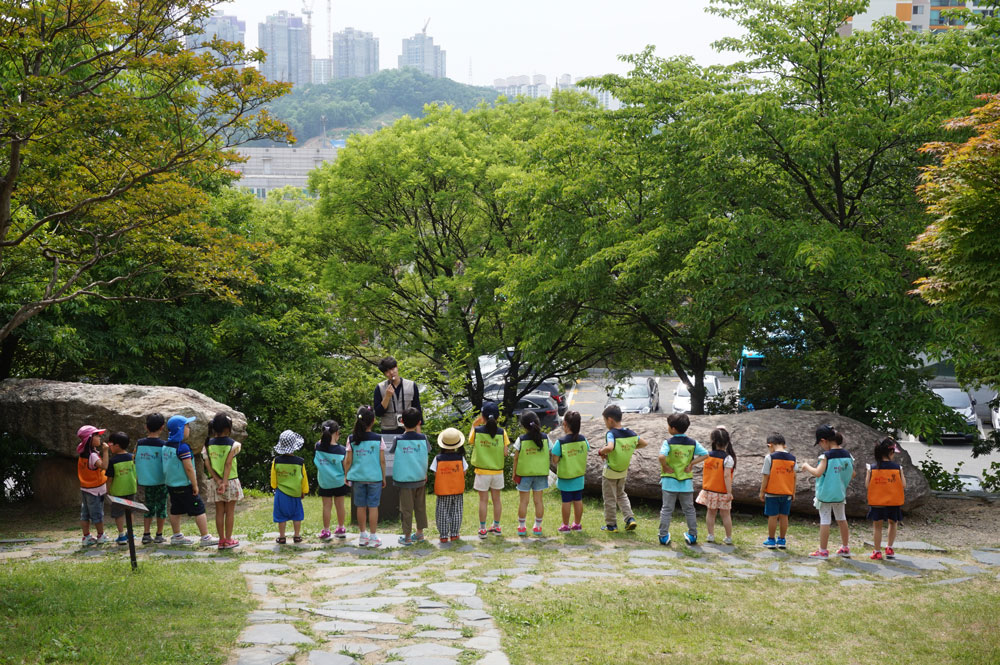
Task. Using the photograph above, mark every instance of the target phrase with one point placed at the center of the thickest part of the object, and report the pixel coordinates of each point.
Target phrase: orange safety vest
(713, 474)
(89, 477)
(885, 488)
(449, 479)
(781, 480)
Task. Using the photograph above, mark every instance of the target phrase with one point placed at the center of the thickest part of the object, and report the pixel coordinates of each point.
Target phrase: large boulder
(50, 412)
(748, 432)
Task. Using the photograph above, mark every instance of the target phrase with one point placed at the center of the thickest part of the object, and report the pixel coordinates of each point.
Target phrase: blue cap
(175, 427)
(490, 409)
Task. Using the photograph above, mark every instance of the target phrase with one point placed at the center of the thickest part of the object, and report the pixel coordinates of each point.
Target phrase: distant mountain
(365, 104)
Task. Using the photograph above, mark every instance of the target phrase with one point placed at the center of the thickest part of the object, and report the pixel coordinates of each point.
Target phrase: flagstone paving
(340, 604)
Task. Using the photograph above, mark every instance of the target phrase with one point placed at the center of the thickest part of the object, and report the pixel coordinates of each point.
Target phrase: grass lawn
(75, 611)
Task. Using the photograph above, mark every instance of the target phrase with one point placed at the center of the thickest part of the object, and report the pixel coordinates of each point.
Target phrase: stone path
(339, 604)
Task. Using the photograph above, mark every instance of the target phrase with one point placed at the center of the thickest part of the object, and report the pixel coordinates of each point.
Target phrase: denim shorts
(528, 483)
(568, 497)
(777, 505)
(367, 495)
(91, 507)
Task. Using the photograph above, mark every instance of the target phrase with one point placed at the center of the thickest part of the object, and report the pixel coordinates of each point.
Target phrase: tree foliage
(110, 131)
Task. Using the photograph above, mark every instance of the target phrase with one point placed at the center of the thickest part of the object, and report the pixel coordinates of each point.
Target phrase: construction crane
(307, 11)
(424, 31)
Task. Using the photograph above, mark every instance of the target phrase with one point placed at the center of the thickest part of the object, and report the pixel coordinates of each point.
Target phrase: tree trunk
(8, 348)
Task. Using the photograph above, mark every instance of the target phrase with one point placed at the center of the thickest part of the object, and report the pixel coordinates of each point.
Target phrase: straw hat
(451, 439)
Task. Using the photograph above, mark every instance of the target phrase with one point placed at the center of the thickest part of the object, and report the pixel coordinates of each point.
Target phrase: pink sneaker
(522, 531)
(340, 532)
(890, 553)
(536, 531)
(564, 528)
(821, 554)
(576, 526)
(845, 552)
(325, 534)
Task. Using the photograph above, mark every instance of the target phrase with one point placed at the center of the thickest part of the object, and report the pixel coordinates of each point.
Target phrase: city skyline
(551, 38)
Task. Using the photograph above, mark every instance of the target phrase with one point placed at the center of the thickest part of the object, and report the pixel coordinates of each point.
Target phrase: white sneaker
(88, 540)
(363, 539)
(180, 539)
(709, 538)
(208, 540)
(102, 539)
(727, 541)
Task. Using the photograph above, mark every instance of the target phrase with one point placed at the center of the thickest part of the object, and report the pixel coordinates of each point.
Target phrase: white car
(995, 412)
(682, 397)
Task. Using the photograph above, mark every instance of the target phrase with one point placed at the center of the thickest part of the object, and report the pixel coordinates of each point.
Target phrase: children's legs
(297, 525)
(373, 519)
(667, 511)
(892, 532)
(230, 518)
(710, 521)
(497, 507)
(338, 502)
(220, 518)
(877, 535)
(772, 526)
(327, 509)
(120, 524)
(175, 524)
(578, 510)
(484, 501)
(824, 536)
(522, 505)
(783, 526)
(420, 508)
(202, 523)
(727, 522)
(406, 510)
(536, 495)
(565, 512)
(610, 510)
(147, 522)
(687, 507)
(362, 519)
(85, 527)
(281, 529)
(622, 499)
(159, 525)
(845, 532)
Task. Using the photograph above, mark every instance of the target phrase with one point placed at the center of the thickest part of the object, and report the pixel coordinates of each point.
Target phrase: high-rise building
(286, 40)
(227, 28)
(920, 15)
(523, 86)
(322, 70)
(419, 52)
(355, 54)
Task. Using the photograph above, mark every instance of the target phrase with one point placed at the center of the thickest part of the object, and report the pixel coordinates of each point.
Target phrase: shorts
(233, 491)
(882, 513)
(367, 495)
(825, 510)
(777, 505)
(184, 502)
(91, 507)
(287, 508)
(118, 510)
(529, 483)
(715, 500)
(155, 498)
(343, 490)
(569, 497)
(488, 481)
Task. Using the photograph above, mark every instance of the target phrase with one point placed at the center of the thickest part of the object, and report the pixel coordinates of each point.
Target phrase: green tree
(109, 133)
(834, 123)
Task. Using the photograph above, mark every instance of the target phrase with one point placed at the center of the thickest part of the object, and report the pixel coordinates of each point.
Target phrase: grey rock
(425, 649)
(438, 635)
(267, 616)
(255, 568)
(473, 615)
(803, 571)
(526, 560)
(433, 621)
(363, 604)
(471, 602)
(427, 604)
(917, 563)
(340, 626)
(747, 431)
(654, 554)
(353, 646)
(429, 660)
(525, 581)
(356, 615)
(507, 572)
(329, 658)
(856, 583)
(353, 589)
(888, 572)
(990, 557)
(911, 545)
(273, 633)
(495, 658)
(658, 572)
(972, 569)
(275, 655)
(453, 588)
(955, 580)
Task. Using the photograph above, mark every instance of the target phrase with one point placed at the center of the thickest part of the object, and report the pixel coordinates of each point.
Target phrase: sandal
(297, 539)
(281, 540)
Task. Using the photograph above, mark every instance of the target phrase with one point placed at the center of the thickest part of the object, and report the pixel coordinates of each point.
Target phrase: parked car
(962, 403)
(995, 412)
(541, 403)
(637, 395)
(970, 483)
(494, 391)
(682, 396)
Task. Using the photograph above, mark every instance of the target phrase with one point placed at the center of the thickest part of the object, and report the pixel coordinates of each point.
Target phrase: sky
(500, 39)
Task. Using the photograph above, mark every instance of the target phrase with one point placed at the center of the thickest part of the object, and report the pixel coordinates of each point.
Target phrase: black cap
(825, 432)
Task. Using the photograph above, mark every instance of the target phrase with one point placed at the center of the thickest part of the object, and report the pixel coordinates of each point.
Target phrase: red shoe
(456, 538)
(443, 539)
(876, 556)
(890, 553)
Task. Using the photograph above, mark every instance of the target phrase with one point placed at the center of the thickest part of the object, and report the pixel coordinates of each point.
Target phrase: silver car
(682, 396)
(638, 395)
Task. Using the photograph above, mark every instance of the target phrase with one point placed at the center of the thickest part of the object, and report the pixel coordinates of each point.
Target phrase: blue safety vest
(173, 466)
(410, 463)
(329, 461)
(149, 461)
(366, 466)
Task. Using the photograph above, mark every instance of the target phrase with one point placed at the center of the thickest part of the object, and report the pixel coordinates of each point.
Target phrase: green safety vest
(217, 454)
(487, 451)
(532, 460)
(573, 459)
(124, 482)
(680, 455)
(289, 479)
(621, 454)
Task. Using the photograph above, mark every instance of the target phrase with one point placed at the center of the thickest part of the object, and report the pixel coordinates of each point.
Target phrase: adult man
(392, 397)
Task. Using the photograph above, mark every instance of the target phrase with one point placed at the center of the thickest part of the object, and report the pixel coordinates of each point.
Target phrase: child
(90, 466)
(886, 486)
(182, 483)
(617, 454)
(570, 456)
(777, 489)
(717, 484)
(289, 482)
(149, 473)
(531, 463)
(329, 461)
(365, 466)
(121, 481)
(833, 474)
(449, 469)
(224, 488)
(409, 474)
(678, 455)
(489, 444)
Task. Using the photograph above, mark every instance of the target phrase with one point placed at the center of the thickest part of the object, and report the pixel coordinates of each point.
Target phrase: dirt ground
(954, 522)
